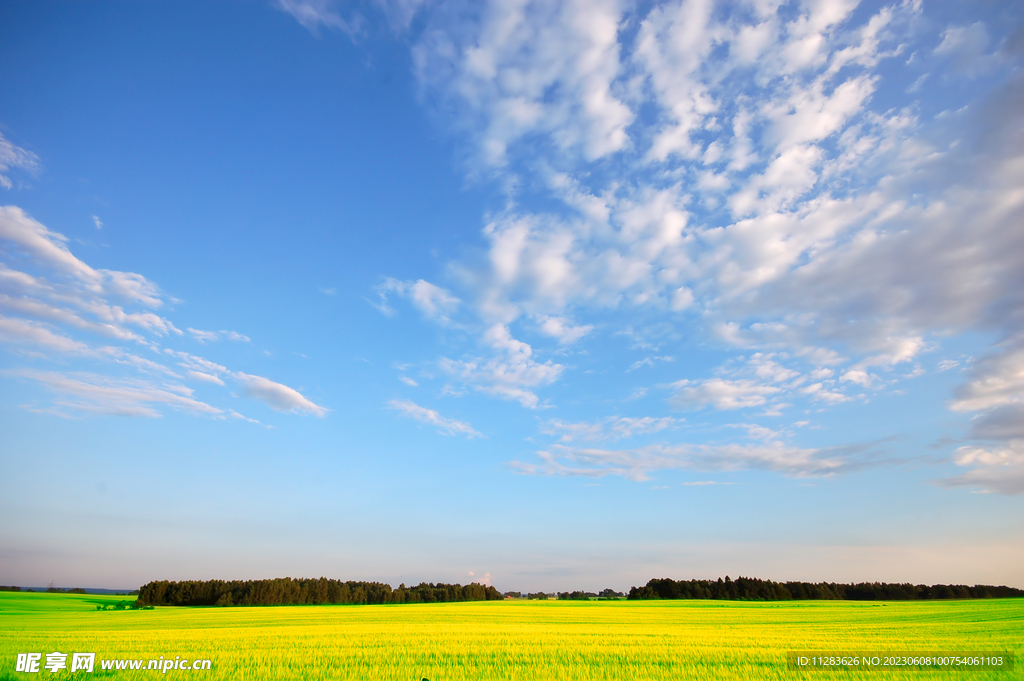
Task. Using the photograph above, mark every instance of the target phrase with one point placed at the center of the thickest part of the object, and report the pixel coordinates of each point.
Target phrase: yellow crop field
(520, 640)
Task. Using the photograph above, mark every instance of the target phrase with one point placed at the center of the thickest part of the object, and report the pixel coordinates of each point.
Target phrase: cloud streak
(640, 463)
(55, 306)
(445, 426)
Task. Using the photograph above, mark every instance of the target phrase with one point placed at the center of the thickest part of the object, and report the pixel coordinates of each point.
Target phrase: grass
(521, 640)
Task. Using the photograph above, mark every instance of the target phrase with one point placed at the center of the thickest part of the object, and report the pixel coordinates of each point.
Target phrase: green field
(506, 639)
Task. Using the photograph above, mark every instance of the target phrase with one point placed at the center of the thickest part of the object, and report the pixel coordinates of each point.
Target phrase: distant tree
(322, 591)
(746, 588)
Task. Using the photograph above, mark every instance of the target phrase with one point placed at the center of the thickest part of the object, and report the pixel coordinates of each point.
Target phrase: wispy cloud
(650, 361)
(95, 394)
(12, 156)
(640, 463)
(55, 306)
(444, 425)
(210, 336)
(314, 14)
(608, 428)
(203, 336)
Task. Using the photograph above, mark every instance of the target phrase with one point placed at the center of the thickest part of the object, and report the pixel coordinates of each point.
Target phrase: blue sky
(545, 295)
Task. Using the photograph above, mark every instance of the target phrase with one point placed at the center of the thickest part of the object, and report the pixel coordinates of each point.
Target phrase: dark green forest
(323, 591)
(750, 589)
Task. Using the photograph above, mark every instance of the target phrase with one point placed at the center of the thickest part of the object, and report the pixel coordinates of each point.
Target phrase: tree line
(750, 589)
(323, 591)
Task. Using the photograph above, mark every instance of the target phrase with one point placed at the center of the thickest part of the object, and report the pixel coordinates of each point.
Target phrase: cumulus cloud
(432, 301)
(444, 425)
(734, 171)
(532, 68)
(806, 186)
(722, 393)
(760, 380)
(562, 330)
(512, 374)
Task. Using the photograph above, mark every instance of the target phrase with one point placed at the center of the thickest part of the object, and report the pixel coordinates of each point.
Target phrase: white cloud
(51, 309)
(562, 330)
(203, 336)
(703, 483)
(821, 392)
(210, 336)
(38, 336)
(767, 190)
(423, 415)
(12, 156)
(512, 374)
(432, 301)
(756, 432)
(408, 381)
(192, 362)
(96, 221)
(277, 396)
(858, 376)
(532, 68)
(995, 380)
(206, 378)
(313, 14)
(46, 247)
(485, 580)
(235, 415)
(994, 469)
(639, 463)
(722, 393)
(609, 428)
(649, 361)
(90, 393)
